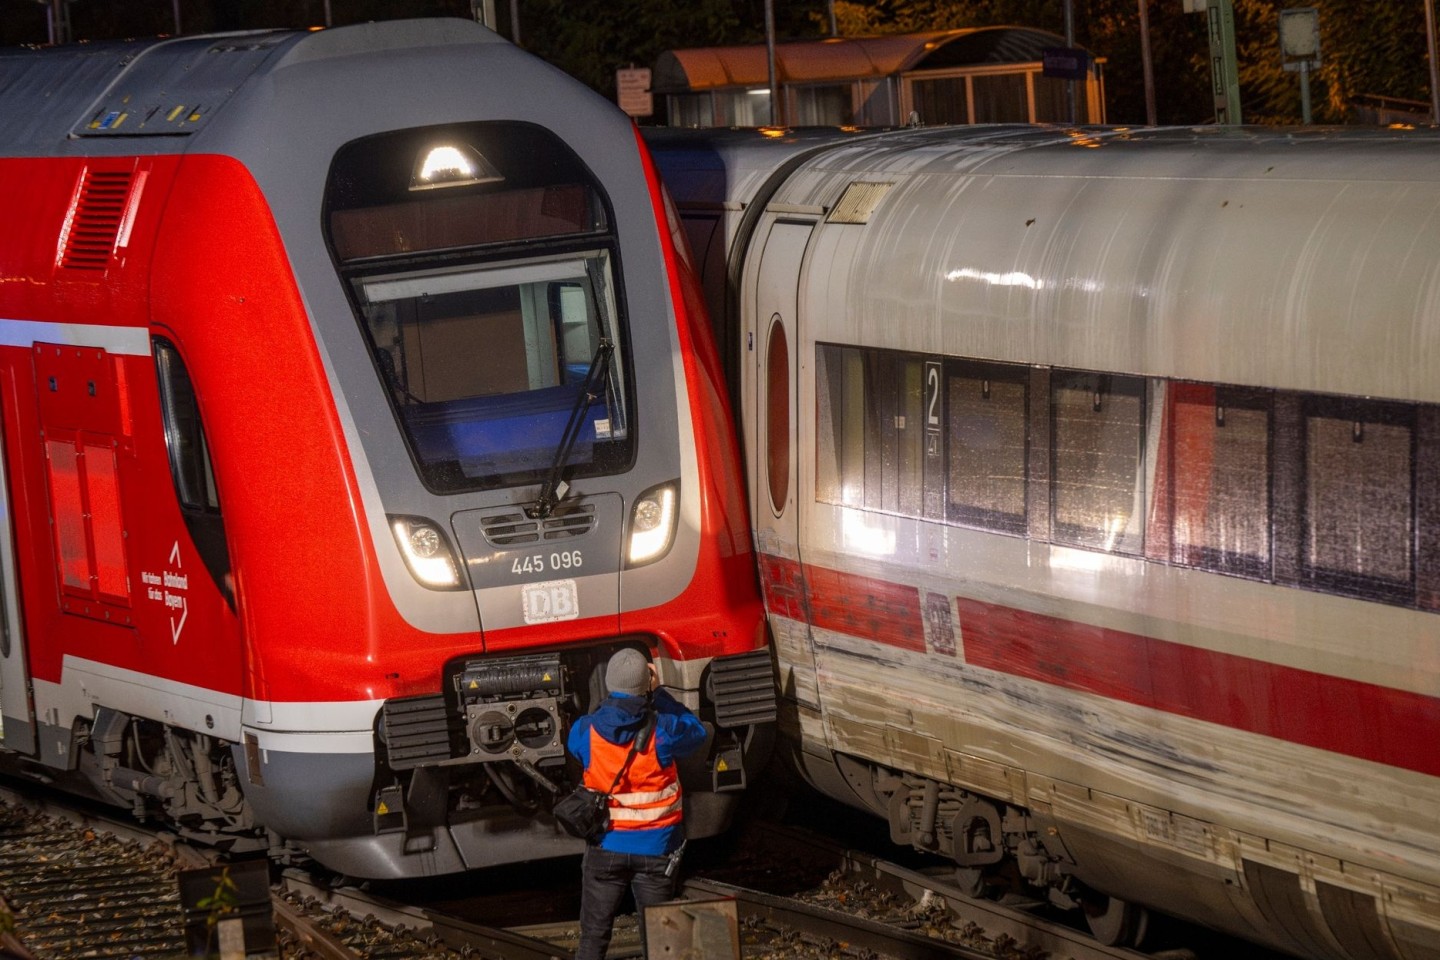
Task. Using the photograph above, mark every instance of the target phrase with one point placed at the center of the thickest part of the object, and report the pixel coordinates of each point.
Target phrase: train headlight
(652, 524)
(451, 165)
(426, 552)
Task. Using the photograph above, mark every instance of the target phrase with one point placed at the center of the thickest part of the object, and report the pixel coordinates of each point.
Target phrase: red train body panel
(299, 555)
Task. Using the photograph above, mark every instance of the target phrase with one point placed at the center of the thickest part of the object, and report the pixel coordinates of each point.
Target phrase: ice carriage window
(908, 418)
(1218, 478)
(894, 433)
(987, 415)
(1359, 498)
(1096, 497)
(482, 266)
(870, 448)
(1427, 506)
(840, 433)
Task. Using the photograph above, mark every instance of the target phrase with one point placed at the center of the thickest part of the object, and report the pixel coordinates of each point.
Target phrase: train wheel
(974, 883)
(1117, 923)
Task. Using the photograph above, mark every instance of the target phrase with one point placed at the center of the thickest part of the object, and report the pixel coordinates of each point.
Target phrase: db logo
(550, 601)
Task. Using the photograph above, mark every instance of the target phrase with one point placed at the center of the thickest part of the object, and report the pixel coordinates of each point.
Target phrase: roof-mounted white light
(652, 524)
(451, 165)
(426, 552)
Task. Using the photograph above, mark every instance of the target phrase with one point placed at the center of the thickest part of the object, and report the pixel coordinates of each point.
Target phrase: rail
(826, 924)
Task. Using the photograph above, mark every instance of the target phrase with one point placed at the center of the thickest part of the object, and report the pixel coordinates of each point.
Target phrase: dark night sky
(24, 21)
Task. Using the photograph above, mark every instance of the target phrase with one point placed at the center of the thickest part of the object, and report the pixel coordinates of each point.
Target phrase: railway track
(85, 892)
(78, 885)
(874, 905)
(103, 888)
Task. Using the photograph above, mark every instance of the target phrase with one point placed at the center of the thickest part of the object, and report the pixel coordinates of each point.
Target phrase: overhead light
(451, 165)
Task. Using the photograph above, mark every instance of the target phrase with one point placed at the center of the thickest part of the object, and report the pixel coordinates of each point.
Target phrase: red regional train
(1096, 482)
(358, 404)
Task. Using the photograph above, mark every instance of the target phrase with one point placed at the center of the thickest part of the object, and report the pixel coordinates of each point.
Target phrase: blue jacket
(678, 733)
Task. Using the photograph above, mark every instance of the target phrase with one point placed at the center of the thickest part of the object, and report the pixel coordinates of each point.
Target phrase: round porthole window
(777, 414)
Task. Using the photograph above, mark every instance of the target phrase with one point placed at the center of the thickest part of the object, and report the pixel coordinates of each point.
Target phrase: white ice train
(1096, 483)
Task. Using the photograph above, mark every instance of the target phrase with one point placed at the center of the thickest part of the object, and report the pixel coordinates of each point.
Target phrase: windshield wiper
(555, 487)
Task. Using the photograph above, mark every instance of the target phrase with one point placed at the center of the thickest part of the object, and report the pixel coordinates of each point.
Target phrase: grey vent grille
(516, 529)
(418, 731)
(95, 223)
(744, 689)
(858, 201)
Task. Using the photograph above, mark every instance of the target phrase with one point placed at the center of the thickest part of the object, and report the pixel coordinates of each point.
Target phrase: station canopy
(847, 58)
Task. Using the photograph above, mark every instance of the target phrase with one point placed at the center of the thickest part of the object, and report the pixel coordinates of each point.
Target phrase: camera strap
(642, 738)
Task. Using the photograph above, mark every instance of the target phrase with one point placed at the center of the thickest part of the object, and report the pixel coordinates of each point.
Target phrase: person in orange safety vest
(647, 831)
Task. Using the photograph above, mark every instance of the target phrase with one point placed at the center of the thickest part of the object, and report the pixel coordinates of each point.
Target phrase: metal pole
(59, 19)
(1224, 67)
(515, 21)
(1305, 92)
(1069, 45)
(1434, 70)
(327, 13)
(1147, 66)
(777, 115)
(175, 9)
(835, 24)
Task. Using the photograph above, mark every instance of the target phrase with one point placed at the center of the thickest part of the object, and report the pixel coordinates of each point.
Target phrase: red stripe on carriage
(1397, 728)
(864, 607)
(782, 587)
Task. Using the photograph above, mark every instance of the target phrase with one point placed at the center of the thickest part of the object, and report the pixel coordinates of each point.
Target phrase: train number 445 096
(541, 563)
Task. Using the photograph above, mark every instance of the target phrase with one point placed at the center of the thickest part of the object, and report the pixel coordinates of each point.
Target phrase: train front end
(541, 454)
(418, 423)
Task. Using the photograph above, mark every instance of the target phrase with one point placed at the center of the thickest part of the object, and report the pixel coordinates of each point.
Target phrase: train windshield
(482, 268)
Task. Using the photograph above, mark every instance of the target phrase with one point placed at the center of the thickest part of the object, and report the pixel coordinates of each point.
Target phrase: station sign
(632, 91)
(1065, 63)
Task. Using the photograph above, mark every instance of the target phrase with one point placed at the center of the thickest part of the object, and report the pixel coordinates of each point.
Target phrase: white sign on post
(1300, 37)
(632, 91)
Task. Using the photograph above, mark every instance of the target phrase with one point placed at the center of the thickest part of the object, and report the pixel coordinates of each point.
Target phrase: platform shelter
(973, 75)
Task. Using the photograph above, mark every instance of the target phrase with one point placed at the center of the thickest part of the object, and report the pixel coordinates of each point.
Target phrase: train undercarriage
(998, 848)
(485, 754)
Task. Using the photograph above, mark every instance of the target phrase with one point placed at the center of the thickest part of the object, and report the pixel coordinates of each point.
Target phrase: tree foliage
(1367, 48)
(591, 39)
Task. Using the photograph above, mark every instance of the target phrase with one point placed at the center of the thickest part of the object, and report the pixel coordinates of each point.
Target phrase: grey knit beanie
(628, 672)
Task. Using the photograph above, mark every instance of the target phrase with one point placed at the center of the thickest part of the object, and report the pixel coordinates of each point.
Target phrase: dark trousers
(604, 878)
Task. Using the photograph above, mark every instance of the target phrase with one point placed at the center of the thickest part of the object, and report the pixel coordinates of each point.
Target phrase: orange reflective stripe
(649, 795)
